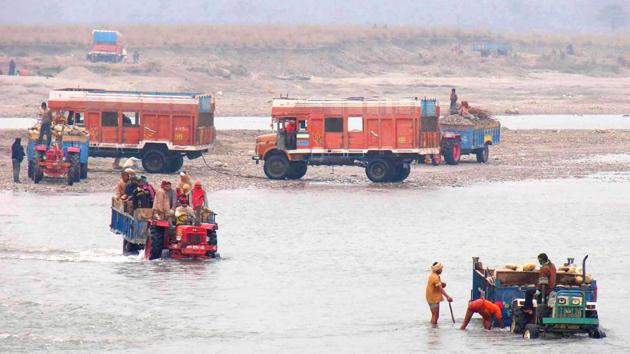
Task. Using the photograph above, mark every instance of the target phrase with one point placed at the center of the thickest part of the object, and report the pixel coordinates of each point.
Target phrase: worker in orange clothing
(486, 309)
(199, 201)
(435, 292)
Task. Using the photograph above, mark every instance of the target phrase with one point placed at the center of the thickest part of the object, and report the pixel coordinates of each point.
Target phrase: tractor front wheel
(130, 249)
(531, 331)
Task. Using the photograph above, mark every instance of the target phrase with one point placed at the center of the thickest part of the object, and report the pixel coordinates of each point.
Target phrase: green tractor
(565, 312)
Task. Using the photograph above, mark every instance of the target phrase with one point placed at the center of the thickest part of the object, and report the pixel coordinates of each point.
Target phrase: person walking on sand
(11, 71)
(435, 292)
(486, 309)
(45, 123)
(17, 156)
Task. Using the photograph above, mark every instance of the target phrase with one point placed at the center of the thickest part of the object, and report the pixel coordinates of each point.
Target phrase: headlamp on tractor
(562, 300)
(576, 301)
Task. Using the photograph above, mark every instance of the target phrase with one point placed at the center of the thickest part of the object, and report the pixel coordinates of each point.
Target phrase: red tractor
(181, 241)
(54, 162)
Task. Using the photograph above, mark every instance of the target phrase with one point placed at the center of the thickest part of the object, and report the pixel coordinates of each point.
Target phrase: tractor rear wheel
(379, 170)
(130, 249)
(596, 333)
(156, 243)
(76, 167)
(483, 154)
(212, 241)
(276, 167)
(452, 152)
(297, 170)
(154, 161)
(531, 331)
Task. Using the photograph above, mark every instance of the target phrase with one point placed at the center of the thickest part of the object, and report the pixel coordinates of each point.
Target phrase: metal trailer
(472, 140)
(511, 288)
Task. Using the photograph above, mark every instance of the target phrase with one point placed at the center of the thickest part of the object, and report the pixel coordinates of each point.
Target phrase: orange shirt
(434, 289)
(485, 308)
(549, 271)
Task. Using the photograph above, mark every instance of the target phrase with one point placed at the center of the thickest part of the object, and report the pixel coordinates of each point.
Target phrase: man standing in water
(435, 292)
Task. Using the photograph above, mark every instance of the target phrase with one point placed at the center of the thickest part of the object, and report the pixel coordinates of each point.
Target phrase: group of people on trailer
(435, 294)
(182, 205)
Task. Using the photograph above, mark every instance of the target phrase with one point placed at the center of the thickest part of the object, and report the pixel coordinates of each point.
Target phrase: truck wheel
(452, 152)
(483, 154)
(154, 161)
(379, 170)
(401, 172)
(156, 243)
(297, 170)
(531, 331)
(174, 163)
(84, 170)
(276, 167)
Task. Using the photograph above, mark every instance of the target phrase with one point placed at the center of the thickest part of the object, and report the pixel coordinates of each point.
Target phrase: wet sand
(523, 154)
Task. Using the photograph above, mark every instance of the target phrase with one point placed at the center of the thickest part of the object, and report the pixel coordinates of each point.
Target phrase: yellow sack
(528, 267)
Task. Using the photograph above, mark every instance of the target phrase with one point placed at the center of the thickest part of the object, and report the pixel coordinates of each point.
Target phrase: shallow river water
(318, 269)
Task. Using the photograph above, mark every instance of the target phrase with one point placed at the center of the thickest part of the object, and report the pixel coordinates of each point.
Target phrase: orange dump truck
(161, 128)
(383, 136)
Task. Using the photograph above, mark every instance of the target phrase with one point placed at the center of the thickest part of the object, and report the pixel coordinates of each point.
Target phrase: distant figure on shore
(453, 108)
(11, 71)
(17, 156)
(136, 57)
(435, 292)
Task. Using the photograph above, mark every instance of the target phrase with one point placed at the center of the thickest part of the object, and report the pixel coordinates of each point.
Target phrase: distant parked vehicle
(107, 46)
(488, 48)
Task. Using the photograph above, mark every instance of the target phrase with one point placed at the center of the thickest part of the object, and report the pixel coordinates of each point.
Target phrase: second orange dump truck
(383, 136)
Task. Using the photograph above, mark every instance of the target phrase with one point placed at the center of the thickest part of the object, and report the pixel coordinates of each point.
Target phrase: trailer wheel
(297, 170)
(130, 249)
(156, 243)
(483, 154)
(174, 163)
(84, 170)
(596, 333)
(276, 167)
(154, 161)
(401, 172)
(531, 331)
(379, 170)
(452, 152)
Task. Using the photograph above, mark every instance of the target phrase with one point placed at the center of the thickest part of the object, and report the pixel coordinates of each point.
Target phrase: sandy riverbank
(524, 154)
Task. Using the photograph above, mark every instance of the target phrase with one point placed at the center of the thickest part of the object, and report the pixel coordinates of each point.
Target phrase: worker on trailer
(199, 201)
(453, 107)
(45, 125)
(435, 291)
(184, 178)
(291, 130)
(486, 309)
(122, 183)
(546, 279)
(183, 195)
(183, 214)
(162, 203)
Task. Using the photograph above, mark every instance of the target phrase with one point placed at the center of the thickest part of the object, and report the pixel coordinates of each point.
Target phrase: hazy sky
(497, 15)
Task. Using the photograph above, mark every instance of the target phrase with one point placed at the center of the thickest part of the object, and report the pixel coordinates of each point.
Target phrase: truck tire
(531, 331)
(154, 161)
(297, 170)
(276, 167)
(156, 243)
(452, 152)
(84, 170)
(379, 170)
(174, 163)
(401, 172)
(483, 154)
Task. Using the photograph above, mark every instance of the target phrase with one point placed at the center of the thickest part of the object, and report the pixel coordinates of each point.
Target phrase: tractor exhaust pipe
(584, 269)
